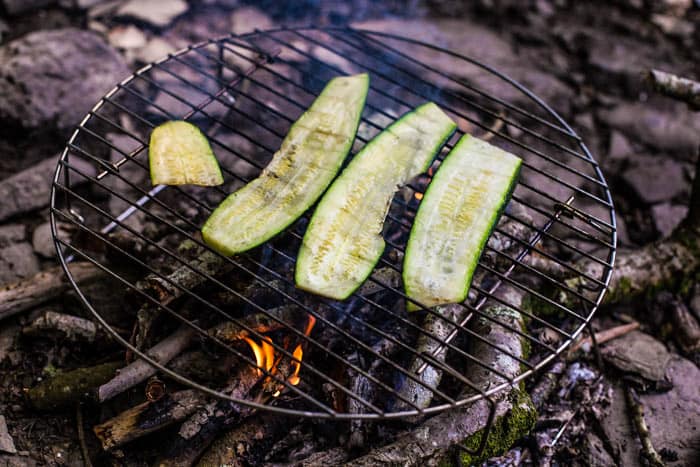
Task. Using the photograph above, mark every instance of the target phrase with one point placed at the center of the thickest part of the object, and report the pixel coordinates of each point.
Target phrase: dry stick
(148, 417)
(28, 293)
(72, 328)
(637, 409)
(604, 336)
(139, 370)
(682, 89)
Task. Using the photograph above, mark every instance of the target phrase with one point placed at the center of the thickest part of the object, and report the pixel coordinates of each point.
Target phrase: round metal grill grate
(244, 92)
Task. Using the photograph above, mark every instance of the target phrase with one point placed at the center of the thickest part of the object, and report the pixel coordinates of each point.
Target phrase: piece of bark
(69, 327)
(247, 443)
(148, 417)
(419, 392)
(638, 353)
(44, 286)
(433, 440)
(68, 387)
(200, 429)
(139, 370)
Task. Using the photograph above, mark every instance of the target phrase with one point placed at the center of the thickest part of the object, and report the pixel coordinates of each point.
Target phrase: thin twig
(605, 336)
(637, 412)
(81, 435)
(494, 128)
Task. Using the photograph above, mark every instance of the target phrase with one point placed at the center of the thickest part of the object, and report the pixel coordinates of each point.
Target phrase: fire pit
(543, 274)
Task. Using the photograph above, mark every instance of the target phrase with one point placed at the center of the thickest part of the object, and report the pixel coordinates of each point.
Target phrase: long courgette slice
(344, 239)
(179, 154)
(455, 218)
(307, 161)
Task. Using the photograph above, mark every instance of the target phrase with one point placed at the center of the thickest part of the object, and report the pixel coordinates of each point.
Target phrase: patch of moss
(505, 431)
(540, 307)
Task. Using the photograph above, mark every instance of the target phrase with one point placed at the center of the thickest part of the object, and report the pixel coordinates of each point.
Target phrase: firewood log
(148, 417)
(42, 287)
(432, 441)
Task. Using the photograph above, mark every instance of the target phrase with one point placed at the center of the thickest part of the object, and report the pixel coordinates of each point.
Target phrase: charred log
(200, 430)
(247, 443)
(148, 417)
(430, 443)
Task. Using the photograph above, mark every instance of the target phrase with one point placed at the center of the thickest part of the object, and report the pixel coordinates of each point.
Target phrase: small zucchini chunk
(179, 154)
(306, 163)
(344, 239)
(455, 218)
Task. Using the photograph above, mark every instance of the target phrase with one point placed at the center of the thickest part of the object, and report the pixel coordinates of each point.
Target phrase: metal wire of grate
(244, 92)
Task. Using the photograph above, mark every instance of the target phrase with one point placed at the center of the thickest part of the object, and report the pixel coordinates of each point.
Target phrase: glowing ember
(265, 355)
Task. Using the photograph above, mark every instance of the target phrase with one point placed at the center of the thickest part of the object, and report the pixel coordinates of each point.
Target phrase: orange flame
(265, 355)
(299, 353)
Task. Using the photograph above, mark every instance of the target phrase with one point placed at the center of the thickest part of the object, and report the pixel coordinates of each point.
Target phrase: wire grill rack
(244, 92)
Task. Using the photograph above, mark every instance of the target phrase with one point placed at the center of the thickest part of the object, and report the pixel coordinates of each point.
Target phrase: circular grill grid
(244, 92)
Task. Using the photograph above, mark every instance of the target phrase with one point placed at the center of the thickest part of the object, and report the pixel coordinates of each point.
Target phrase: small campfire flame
(266, 359)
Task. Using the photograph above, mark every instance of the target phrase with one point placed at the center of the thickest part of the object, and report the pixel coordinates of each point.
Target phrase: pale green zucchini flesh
(180, 154)
(455, 218)
(307, 161)
(343, 241)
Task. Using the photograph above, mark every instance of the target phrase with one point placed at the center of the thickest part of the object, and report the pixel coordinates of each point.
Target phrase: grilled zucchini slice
(455, 218)
(179, 154)
(308, 160)
(344, 239)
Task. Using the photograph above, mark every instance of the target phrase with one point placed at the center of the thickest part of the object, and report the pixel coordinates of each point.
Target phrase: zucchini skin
(343, 241)
(459, 211)
(308, 160)
(171, 139)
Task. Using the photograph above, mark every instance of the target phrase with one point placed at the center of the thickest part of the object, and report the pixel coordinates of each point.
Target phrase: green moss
(540, 307)
(505, 431)
(65, 388)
